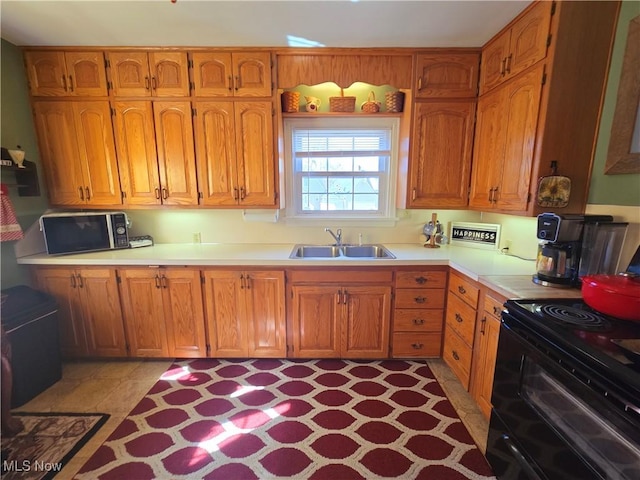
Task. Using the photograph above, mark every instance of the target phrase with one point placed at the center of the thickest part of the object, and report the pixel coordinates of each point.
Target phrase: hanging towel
(9, 227)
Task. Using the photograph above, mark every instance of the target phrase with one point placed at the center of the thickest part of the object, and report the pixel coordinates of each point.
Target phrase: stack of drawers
(418, 313)
(462, 303)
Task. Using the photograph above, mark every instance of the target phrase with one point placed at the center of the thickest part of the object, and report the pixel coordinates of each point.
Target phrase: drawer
(419, 298)
(416, 345)
(461, 318)
(457, 355)
(421, 279)
(465, 289)
(416, 320)
(339, 277)
(492, 306)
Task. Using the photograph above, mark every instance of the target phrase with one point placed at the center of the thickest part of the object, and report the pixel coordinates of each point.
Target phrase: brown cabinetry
(89, 314)
(145, 74)
(445, 75)
(163, 312)
(245, 313)
(418, 313)
(156, 152)
(232, 74)
(462, 302)
(61, 74)
(485, 349)
(235, 154)
(78, 152)
(349, 318)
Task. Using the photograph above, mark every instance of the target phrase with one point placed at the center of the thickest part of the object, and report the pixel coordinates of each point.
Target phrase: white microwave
(84, 232)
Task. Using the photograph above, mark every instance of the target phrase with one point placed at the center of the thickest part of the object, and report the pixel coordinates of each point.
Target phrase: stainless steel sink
(344, 251)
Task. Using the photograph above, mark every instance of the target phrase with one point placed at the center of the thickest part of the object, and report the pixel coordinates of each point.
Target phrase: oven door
(551, 420)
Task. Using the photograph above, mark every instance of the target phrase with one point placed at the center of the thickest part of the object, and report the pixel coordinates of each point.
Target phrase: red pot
(615, 295)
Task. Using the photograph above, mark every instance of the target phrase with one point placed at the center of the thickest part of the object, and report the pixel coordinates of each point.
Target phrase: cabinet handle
(237, 82)
(345, 297)
(421, 280)
(235, 193)
(459, 318)
(81, 190)
(461, 289)
(242, 193)
(70, 83)
(420, 299)
(165, 193)
(164, 282)
(417, 346)
(73, 281)
(495, 195)
(418, 321)
(455, 355)
(87, 193)
(491, 195)
(414, 194)
(247, 282)
(146, 83)
(508, 65)
(157, 281)
(230, 83)
(64, 83)
(496, 311)
(339, 297)
(503, 68)
(483, 324)
(154, 83)
(419, 83)
(80, 281)
(157, 190)
(241, 281)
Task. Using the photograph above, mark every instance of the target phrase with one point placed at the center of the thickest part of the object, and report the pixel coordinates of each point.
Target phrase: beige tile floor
(115, 387)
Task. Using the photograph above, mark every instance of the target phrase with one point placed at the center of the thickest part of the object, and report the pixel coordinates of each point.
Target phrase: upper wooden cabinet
(447, 75)
(146, 74)
(344, 69)
(232, 74)
(59, 74)
(235, 154)
(78, 152)
(523, 44)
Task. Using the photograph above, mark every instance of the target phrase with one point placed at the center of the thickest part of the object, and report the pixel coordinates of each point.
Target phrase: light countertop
(508, 275)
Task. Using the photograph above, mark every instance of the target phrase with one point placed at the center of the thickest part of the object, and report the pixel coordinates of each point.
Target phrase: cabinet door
(94, 135)
(488, 152)
(484, 361)
(225, 313)
(55, 126)
(86, 74)
(176, 157)
(442, 76)
(129, 74)
(365, 329)
(494, 58)
(102, 313)
(183, 312)
(62, 284)
(529, 38)
(254, 149)
(520, 125)
(315, 323)
(441, 154)
(216, 153)
(169, 74)
(144, 314)
(46, 73)
(212, 74)
(266, 322)
(252, 74)
(136, 145)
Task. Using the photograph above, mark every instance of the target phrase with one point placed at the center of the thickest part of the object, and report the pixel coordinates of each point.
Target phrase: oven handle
(520, 458)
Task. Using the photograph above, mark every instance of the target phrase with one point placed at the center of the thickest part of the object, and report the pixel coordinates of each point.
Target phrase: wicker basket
(342, 103)
(290, 102)
(371, 106)
(394, 101)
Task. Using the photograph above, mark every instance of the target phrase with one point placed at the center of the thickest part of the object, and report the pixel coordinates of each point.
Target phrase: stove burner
(582, 319)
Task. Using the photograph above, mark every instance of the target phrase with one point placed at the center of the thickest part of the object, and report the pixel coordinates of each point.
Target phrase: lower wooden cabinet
(89, 314)
(163, 312)
(340, 314)
(245, 313)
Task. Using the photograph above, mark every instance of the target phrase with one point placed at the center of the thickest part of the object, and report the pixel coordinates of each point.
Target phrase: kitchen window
(341, 168)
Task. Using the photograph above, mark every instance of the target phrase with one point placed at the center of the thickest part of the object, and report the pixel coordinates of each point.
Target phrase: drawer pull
(483, 324)
(455, 355)
(459, 318)
(420, 299)
(496, 311)
(421, 280)
(417, 346)
(461, 289)
(418, 321)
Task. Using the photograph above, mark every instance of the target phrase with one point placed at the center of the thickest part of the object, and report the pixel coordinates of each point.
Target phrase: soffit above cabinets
(341, 23)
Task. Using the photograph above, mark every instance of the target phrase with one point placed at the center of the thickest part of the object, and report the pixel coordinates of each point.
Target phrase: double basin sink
(341, 251)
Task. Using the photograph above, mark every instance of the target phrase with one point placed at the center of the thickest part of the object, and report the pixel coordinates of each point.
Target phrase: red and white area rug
(277, 419)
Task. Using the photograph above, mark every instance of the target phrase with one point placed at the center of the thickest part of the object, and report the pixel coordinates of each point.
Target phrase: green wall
(614, 189)
(17, 129)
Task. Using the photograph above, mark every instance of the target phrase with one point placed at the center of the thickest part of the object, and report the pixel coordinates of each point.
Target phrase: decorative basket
(394, 101)
(290, 102)
(371, 106)
(342, 103)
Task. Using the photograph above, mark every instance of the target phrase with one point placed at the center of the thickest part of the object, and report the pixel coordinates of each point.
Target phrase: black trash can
(30, 320)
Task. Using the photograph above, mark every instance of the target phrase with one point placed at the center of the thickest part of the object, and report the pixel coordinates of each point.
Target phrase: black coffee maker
(560, 249)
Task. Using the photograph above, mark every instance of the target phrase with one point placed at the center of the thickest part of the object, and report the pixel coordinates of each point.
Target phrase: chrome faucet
(337, 236)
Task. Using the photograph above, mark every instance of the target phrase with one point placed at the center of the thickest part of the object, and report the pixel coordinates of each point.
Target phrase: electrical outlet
(507, 244)
(197, 238)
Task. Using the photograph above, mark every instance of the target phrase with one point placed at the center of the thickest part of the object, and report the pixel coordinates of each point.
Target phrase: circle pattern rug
(277, 419)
